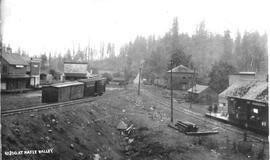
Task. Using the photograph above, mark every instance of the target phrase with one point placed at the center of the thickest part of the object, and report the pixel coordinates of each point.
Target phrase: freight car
(68, 91)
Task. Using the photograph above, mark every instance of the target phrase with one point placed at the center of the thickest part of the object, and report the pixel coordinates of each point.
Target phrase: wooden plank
(201, 133)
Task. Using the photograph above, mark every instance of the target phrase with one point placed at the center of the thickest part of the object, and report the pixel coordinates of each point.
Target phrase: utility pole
(140, 70)
(171, 93)
(139, 84)
(192, 83)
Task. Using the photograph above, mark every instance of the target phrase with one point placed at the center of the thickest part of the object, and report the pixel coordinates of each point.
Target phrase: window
(255, 110)
(263, 123)
(19, 66)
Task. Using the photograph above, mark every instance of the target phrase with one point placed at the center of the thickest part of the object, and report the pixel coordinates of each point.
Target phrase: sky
(39, 26)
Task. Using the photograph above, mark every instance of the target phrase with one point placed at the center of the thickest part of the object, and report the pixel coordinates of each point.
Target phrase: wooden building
(248, 104)
(75, 70)
(202, 94)
(34, 72)
(182, 78)
(13, 70)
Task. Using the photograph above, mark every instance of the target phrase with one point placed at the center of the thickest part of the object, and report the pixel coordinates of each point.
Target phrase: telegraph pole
(139, 84)
(140, 70)
(192, 83)
(171, 93)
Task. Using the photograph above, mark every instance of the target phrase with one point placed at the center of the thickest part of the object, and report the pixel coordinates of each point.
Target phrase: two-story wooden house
(182, 78)
(13, 70)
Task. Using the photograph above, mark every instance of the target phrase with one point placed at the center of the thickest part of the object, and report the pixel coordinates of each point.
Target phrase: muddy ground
(89, 131)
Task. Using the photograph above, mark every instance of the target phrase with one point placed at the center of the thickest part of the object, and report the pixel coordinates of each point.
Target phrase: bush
(108, 77)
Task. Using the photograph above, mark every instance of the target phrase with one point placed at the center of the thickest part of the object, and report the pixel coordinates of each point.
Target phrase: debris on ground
(71, 146)
(80, 154)
(122, 126)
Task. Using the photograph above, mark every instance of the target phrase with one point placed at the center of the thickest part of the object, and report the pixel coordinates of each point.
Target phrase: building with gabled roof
(13, 71)
(182, 78)
(202, 94)
(75, 70)
(247, 104)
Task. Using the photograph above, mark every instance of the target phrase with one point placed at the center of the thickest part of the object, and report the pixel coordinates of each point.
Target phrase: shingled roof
(253, 90)
(14, 59)
(181, 69)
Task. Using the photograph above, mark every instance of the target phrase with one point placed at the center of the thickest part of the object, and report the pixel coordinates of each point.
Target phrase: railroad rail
(39, 107)
(45, 106)
(199, 118)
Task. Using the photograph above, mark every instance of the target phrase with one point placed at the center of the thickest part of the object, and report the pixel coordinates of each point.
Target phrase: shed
(182, 78)
(61, 92)
(203, 94)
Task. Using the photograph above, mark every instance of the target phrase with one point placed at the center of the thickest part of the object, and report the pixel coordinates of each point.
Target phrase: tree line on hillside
(212, 56)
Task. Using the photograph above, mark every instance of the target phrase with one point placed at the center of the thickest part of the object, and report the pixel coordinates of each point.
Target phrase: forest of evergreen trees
(213, 56)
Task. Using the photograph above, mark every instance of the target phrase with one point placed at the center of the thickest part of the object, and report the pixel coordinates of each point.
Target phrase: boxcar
(100, 85)
(61, 92)
(89, 87)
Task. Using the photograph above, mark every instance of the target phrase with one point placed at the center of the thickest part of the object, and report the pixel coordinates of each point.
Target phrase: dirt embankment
(89, 131)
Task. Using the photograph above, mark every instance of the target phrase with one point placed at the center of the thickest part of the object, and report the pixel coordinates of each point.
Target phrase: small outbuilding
(202, 94)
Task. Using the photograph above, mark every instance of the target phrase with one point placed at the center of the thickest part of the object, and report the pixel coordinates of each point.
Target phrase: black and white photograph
(134, 79)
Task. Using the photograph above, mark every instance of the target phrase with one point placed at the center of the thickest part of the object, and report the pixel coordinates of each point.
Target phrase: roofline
(3, 59)
(245, 73)
(248, 99)
(70, 62)
(179, 72)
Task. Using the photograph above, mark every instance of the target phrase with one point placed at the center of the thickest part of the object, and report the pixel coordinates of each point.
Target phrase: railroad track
(202, 120)
(35, 108)
(45, 106)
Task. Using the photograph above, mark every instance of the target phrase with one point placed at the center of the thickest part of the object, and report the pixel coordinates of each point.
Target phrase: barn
(202, 94)
(248, 104)
(182, 78)
(13, 70)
